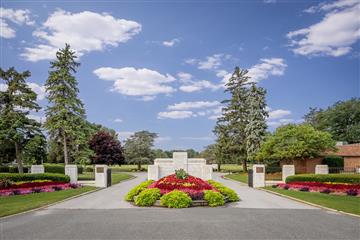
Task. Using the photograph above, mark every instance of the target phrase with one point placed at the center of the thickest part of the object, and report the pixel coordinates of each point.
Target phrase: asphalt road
(195, 223)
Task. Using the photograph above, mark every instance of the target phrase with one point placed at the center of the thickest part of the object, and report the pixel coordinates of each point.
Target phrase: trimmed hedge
(59, 168)
(17, 177)
(338, 178)
(227, 192)
(13, 169)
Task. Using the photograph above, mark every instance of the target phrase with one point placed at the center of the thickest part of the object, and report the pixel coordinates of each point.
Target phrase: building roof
(349, 150)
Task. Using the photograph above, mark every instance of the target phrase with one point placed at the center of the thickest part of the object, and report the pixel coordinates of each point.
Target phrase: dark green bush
(14, 169)
(54, 168)
(17, 177)
(80, 170)
(176, 199)
(89, 169)
(339, 178)
(214, 198)
(4, 169)
(137, 190)
(148, 197)
(227, 192)
(334, 161)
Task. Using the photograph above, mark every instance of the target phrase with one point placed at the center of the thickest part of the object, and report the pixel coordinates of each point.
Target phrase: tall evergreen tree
(15, 104)
(235, 113)
(66, 115)
(255, 129)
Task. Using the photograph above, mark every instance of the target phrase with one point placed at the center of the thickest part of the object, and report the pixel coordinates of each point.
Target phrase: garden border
(309, 203)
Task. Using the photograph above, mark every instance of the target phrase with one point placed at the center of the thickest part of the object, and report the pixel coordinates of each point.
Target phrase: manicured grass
(118, 177)
(20, 203)
(347, 204)
(231, 168)
(115, 177)
(241, 177)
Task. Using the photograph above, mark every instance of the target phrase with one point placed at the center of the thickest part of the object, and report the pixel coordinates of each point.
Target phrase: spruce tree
(235, 114)
(15, 104)
(66, 114)
(255, 129)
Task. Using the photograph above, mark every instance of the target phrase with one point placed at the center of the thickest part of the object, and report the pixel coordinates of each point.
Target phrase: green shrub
(338, 178)
(17, 177)
(4, 169)
(147, 197)
(89, 169)
(14, 169)
(334, 161)
(181, 174)
(227, 192)
(214, 198)
(54, 168)
(137, 190)
(176, 199)
(80, 170)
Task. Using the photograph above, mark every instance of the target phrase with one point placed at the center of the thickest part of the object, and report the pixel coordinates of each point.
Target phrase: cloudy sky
(161, 66)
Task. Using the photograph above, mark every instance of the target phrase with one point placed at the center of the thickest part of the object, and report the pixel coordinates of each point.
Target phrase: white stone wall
(193, 166)
(287, 170)
(258, 175)
(37, 169)
(101, 175)
(72, 172)
(321, 169)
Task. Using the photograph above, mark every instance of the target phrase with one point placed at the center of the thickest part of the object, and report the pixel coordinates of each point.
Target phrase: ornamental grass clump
(176, 199)
(137, 190)
(147, 197)
(213, 198)
(181, 174)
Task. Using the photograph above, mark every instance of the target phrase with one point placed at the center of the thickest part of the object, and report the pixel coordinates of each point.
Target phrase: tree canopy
(342, 120)
(292, 141)
(107, 149)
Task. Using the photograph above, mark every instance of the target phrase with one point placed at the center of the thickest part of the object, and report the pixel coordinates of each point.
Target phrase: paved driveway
(104, 215)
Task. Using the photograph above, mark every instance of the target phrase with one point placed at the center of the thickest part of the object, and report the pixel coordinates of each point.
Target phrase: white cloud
(270, 1)
(191, 85)
(193, 105)
(278, 113)
(19, 17)
(266, 68)
(38, 89)
(195, 86)
(176, 114)
(210, 62)
(333, 35)
(282, 121)
(171, 43)
(84, 31)
(206, 138)
(143, 82)
(124, 135)
(118, 120)
(162, 139)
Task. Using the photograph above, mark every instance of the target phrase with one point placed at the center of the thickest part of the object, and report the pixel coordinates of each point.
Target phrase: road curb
(309, 203)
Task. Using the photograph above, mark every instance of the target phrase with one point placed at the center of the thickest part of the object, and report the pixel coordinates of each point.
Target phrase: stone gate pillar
(72, 172)
(287, 170)
(101, 176)
(258, 175)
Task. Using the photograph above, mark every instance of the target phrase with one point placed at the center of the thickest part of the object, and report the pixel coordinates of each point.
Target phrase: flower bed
(35, 187)
(179, 190)
(335, 188)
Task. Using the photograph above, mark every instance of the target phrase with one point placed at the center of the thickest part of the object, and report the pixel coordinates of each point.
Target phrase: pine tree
(15, 104)
(255, 129)
(66, 114)
(235, 114)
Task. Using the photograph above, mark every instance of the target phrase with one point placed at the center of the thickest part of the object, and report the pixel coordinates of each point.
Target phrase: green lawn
(231, 168)
(241, 177)
(118, 177)
(20, 203)
(115, 177)
(348, 204)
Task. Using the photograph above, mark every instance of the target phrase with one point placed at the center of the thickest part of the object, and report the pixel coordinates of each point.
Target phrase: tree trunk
(18, 158)
(139, 166)
(244, 165)
(219, 167)
(66, 158)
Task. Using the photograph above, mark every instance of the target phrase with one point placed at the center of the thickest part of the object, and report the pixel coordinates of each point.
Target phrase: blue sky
(161, 66)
